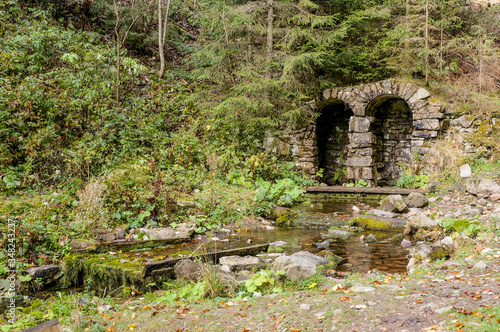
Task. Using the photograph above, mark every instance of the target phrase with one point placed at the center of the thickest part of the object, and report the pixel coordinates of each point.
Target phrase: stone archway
(391, 124)
(419, 121)
(332, 140)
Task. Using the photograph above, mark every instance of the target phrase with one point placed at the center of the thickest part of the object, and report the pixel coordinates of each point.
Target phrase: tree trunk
(117, 92)
(160, 41)
(427, 43)
(270, 27)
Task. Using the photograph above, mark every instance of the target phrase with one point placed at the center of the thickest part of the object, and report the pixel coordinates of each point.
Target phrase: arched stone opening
(332, 127)
(392, 128)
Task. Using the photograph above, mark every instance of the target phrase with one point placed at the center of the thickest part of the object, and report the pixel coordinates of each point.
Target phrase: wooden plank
(207, 257)
(130, 245)
(364, 190)
(50, 326)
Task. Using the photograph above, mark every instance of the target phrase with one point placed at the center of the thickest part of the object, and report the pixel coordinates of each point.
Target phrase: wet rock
(46, 273)
(465, 171)
(397, 238)
(238, 263)
(330, 256)
(418, 218)
(337, 233)
(405, 243)
(370, 239)
(393, 203)
(188, 269)
(322, 245)
(416, 200)
(298, 266)
(277, 244)
(355, 209)
(381, 213)
(362, 239)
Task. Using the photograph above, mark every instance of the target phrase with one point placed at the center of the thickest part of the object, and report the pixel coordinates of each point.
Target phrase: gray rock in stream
(381, 213)
(370, 239)
(322, 245)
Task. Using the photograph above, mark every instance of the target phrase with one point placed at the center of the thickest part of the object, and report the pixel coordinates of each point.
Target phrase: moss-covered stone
(105, 272)
(285, 217)
(379, 224)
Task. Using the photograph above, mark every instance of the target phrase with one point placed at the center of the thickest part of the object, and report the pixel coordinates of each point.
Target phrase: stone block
(367, 173)
(327, 94)
(426, 124)
(359, 161)
(424, 134)
(435, 115)
(366, 152)
(358, 124)
(362, 138)
(434, 108)
(359, 110)
(420, 94)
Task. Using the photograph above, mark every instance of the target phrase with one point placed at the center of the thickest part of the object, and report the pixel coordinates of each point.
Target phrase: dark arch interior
(393, 128)
(332, 128)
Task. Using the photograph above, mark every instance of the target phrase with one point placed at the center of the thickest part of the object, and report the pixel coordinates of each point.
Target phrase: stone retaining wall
(362, 162)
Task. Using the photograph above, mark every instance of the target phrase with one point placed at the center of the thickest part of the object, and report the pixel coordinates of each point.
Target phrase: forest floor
(458, 294)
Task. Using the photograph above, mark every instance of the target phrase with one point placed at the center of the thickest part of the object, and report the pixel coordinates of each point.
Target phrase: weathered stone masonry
(388, 122)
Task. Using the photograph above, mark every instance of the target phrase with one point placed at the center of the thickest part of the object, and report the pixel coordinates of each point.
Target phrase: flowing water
(319, 212)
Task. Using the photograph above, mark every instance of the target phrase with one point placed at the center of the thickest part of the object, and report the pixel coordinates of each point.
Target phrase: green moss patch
(379, 224)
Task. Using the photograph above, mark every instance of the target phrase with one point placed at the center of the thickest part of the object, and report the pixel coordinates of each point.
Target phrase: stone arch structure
(380, 135)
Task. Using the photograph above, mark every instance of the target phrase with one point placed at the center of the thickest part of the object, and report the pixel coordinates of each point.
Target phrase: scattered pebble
(305, 306)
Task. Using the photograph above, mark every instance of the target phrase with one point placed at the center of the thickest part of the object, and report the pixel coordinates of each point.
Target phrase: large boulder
(416, 200)
(393, 203)
(299, 266)
(238, 263)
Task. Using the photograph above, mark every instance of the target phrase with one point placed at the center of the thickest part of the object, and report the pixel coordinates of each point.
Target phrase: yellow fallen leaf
(133, 315)
(131, 327)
